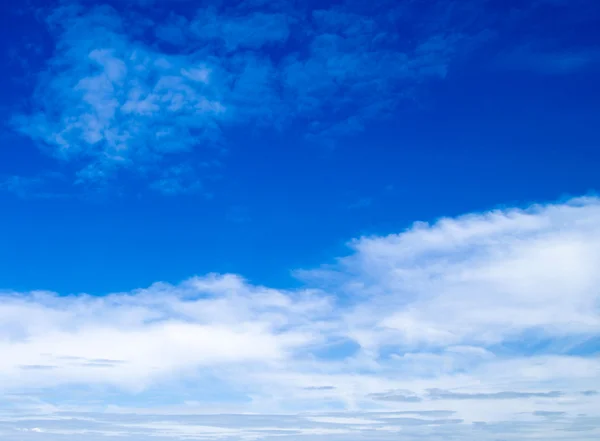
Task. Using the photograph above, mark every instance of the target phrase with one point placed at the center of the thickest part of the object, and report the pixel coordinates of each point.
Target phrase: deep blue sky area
(512, 120)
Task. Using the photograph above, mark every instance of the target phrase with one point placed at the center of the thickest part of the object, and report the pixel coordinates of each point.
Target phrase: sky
(300, 220)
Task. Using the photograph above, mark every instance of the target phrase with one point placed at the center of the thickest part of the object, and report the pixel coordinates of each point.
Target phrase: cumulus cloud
(476, 281)
(442, 317)
(136, 339)
(132, 91)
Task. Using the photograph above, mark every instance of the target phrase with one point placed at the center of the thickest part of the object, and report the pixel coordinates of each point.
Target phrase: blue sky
(324, 220)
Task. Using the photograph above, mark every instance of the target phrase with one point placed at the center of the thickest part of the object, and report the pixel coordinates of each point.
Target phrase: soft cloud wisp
(125, 92)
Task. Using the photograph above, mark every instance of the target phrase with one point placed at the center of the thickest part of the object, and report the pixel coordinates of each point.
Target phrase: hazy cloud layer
(441, 317)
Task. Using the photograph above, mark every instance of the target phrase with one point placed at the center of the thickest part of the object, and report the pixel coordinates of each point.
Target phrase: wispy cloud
(361, 203)
(438, 394)
(42, 186)
(551, 62)
(431, 311)
(125, 92)
(108, 101)
(178, 179)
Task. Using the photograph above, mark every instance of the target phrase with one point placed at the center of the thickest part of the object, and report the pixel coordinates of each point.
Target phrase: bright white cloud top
(481, 327)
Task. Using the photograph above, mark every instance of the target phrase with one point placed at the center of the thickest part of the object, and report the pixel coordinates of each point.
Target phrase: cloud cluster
(124, 91)
(482, 280)
(476, 327)
(158, 86)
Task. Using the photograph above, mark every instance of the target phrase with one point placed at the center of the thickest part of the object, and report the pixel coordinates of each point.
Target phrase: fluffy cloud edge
(491, 316)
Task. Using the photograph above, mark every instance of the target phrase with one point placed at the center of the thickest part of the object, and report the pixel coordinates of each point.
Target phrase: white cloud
(477, 280)
(481, 318)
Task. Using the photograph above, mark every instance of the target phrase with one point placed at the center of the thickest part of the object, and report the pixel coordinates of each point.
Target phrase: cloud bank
(483, 326)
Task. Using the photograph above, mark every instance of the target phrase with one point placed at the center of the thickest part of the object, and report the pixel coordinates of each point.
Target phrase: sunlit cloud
(472, 327)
